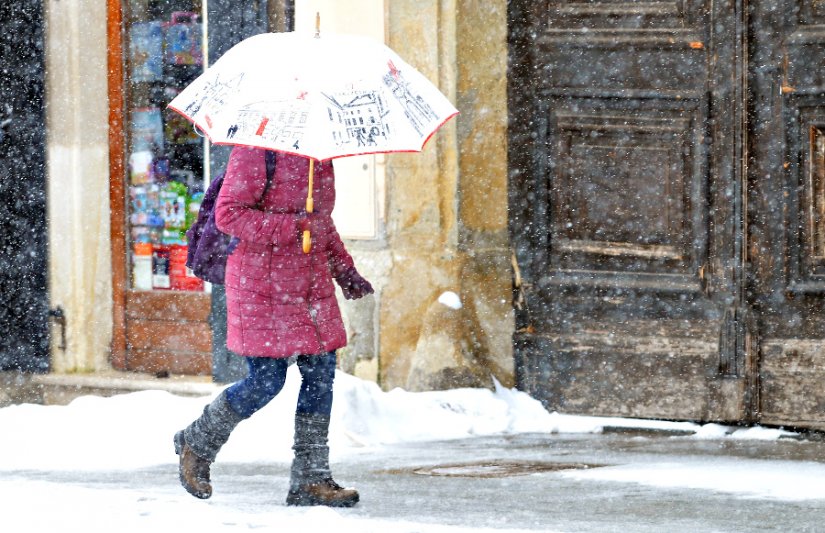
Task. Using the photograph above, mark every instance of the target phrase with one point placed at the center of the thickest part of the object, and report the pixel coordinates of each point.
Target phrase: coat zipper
(312, 315)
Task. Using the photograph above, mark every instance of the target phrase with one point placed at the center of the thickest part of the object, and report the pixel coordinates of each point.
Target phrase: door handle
(59, 316)
(5, 121)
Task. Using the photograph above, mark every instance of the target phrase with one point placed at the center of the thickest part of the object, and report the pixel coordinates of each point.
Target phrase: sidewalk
(623, 480)
(567, 500)
(514, 483)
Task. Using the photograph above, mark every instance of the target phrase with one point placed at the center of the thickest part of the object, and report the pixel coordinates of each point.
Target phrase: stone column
(482, 144)
(447, 207)
(78, 182)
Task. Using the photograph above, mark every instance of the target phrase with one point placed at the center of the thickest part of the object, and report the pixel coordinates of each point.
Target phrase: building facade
(410, 229)
(628, 207)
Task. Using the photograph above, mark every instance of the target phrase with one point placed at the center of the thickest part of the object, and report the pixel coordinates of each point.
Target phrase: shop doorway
(667, 180)
(24, 338)
(165, 320)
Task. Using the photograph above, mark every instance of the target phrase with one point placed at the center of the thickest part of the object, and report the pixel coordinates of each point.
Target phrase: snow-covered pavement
(452, 461)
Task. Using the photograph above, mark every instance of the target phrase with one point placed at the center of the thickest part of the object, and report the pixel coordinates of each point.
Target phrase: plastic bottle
(160, 267)
(142, 266)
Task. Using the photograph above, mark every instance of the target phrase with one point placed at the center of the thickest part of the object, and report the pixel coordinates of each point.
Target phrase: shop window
(163, 317)
(165, 156)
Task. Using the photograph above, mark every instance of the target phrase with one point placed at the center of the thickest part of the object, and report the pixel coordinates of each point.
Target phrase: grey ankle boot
(199, 443)
(311, 480)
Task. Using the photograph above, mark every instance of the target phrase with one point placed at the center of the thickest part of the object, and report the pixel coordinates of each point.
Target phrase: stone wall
(446, 216)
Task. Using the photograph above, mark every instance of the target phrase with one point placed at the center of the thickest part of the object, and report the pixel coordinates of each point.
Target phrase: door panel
(788, 198)
(626, 203)
(624, 183)
(24, 340)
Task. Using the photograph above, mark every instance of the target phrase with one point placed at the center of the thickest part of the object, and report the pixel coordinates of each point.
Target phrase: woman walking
(280, 303)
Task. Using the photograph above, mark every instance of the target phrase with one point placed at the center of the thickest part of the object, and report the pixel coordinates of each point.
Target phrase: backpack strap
(270, 175)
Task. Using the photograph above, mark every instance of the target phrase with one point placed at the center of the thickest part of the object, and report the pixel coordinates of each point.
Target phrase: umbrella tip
(317, 24)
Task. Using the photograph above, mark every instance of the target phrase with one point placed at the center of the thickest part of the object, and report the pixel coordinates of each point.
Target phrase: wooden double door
(667, 207)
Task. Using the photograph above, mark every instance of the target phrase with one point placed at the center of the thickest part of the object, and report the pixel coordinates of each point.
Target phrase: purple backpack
(208, 246)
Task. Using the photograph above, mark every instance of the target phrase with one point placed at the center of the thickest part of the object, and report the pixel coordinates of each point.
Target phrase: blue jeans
(267, 376)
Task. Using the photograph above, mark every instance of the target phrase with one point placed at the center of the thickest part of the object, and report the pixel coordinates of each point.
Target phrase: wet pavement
(514, 483)
(548, 500)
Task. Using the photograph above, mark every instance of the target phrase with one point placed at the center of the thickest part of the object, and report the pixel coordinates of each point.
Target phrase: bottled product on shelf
(181, 277)
(160, 267)
(142, 266)
(165, 159)
(183, 37)
(146, 51)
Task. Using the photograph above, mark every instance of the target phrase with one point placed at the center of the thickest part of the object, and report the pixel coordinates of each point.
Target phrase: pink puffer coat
(280, 301)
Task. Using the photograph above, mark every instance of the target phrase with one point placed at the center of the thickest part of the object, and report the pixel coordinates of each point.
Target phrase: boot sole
(305, 500)
(179, 444)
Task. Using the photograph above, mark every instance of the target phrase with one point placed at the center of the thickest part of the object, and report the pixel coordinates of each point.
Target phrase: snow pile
(135, 430)
(715, 431)
(369, 416)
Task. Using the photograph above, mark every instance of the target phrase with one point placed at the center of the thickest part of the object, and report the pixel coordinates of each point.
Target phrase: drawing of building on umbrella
(359, 118)
(212, 95)
(417, 110)
(283, 126)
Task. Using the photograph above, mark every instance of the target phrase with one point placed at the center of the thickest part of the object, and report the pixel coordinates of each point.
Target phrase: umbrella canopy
(323, 97)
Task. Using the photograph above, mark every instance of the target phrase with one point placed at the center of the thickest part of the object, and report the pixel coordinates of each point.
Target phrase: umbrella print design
(359, 119)
(281, 121)
(212, 95)
(417, 111)
(342, 95)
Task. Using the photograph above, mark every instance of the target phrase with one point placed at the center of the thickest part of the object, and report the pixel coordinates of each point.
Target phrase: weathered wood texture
(668, 207)
(168, 331)
(787, 195)
(626, 198)
(792, 373)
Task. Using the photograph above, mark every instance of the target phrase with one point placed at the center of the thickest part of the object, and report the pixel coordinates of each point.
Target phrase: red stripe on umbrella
(262, 127)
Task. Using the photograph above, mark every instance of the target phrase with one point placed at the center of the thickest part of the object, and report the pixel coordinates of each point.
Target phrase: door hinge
(524, 323)
(735, 342)
(518, 297)
(785, 87)
(703, 279)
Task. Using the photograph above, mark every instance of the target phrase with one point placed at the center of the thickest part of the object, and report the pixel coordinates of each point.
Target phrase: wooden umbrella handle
(307, 242)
